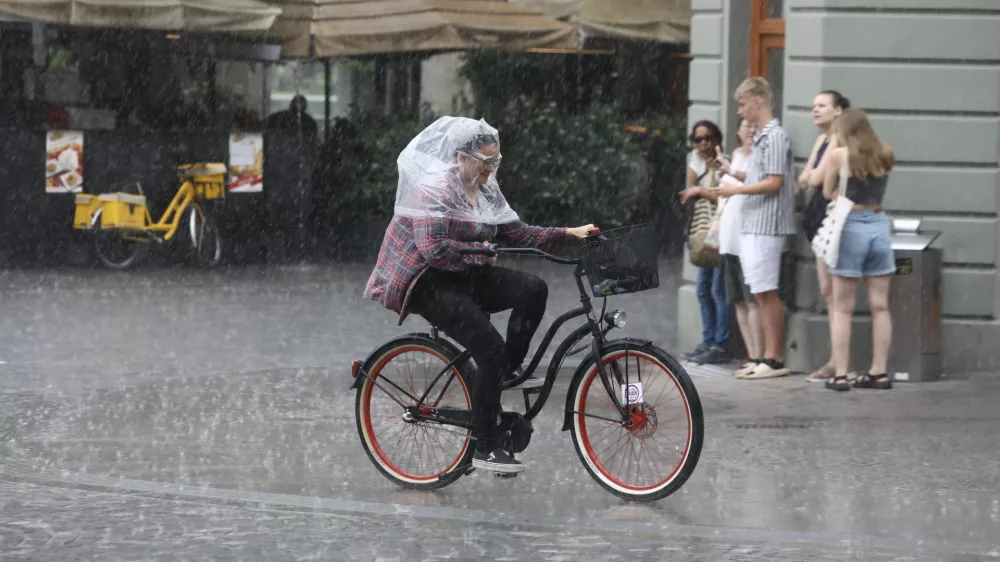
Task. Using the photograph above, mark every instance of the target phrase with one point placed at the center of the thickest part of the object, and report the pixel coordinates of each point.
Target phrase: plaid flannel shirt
(411, 246)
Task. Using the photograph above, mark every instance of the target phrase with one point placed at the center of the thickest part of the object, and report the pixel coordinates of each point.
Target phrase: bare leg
(878, 302)
(826, 291)
(844, 289)
(753, 317)
(772, 316)
(749, 320)
(743, 320)
(827, 371)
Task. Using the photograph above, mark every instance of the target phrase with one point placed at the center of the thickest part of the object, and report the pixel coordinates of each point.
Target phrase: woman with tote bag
(702, 171)
(855, 242)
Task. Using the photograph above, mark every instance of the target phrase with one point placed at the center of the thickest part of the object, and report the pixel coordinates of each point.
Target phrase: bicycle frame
(463, 418)
(171, 218)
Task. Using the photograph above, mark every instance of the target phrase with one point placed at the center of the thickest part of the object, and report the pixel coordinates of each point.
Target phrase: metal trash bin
(915, 303)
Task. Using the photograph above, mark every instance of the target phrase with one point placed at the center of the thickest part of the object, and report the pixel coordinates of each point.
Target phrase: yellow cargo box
(86, 206)
(210, 190)
(209, 178)
(123, 211)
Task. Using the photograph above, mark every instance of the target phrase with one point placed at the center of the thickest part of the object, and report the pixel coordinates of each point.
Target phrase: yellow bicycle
(124, 229)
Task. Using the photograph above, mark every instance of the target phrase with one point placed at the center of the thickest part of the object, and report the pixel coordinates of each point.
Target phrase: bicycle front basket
(625, 261)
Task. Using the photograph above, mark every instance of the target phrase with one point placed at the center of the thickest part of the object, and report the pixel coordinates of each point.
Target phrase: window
(767, 45)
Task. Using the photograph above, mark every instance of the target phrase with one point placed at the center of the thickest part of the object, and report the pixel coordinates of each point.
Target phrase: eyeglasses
(490, 162)
(698, 140)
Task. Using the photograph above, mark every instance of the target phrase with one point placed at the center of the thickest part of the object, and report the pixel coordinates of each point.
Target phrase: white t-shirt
(731, 222)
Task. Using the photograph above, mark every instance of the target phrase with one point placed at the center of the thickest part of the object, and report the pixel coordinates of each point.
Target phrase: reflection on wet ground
(209, 415)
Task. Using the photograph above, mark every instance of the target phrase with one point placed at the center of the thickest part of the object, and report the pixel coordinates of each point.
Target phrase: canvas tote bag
(702, 254)
(826, 243)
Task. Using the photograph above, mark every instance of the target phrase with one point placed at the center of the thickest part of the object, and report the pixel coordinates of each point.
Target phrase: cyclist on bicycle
(448, 200)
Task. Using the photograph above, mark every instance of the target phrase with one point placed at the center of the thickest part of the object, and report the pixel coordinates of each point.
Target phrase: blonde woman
(865, 246)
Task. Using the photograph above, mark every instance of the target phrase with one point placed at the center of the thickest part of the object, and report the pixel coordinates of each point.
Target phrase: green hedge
(559, 168)
(565, 169)
(370, 146)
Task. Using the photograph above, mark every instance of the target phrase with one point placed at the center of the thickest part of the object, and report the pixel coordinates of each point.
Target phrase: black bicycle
(633, 411)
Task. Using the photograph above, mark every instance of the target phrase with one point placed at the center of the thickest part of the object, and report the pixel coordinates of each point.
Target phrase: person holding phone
(703, 172)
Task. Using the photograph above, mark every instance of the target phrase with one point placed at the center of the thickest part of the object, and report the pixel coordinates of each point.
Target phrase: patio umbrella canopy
(188, 15)
(330, 28)
(665, 21)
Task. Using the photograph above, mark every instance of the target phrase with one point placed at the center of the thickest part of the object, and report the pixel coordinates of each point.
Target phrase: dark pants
(457, 303)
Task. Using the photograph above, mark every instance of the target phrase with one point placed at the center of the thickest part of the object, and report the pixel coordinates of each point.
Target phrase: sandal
(839, 384)
(878, 382)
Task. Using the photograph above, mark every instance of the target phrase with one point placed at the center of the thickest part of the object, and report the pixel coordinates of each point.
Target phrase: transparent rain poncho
(430, 184)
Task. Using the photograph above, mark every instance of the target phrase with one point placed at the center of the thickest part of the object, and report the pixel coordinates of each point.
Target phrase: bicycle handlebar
(493, 250)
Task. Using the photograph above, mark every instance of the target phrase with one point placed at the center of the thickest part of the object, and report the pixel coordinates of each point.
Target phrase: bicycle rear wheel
(119, 250)
(656, 454)
(422, 455)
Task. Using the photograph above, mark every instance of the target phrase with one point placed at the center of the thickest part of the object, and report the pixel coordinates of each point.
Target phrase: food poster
(64, 162)
(246, 162)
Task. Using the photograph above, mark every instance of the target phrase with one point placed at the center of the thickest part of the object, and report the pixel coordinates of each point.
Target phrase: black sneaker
(702, 348)
(497, 461)
(530, 382)
(714, 356)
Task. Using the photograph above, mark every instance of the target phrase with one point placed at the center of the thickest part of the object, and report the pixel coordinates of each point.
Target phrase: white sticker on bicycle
(632, 393)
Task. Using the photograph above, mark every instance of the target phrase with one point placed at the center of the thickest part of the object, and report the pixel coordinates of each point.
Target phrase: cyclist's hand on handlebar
(492, 260)
(581, 232)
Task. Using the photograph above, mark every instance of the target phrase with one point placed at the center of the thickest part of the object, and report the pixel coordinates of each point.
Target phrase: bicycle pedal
(504, 475)
(470, 470)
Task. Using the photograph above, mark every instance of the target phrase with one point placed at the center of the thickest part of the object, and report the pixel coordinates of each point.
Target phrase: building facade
(928, 74)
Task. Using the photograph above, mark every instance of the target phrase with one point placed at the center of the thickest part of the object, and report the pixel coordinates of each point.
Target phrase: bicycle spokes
(645, 451)
(407, 446)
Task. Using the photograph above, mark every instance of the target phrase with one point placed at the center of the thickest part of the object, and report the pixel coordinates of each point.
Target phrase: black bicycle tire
(137, 250)
(462, 466)
(694, 404)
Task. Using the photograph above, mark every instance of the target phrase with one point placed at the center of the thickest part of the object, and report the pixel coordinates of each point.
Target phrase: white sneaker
(767, 371)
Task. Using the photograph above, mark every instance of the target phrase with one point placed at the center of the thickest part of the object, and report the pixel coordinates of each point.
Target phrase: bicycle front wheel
(655, 453)
(205, 241)
(423, 454)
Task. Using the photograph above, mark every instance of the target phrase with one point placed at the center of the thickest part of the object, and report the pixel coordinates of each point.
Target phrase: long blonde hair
(868, 156)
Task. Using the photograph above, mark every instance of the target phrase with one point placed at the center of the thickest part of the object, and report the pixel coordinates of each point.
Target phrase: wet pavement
(179, 415)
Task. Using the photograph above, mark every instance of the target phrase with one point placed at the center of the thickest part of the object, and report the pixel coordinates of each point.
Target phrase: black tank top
(867, 192)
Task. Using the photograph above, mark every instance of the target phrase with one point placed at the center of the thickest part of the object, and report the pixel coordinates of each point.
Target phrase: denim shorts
(865, 246)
